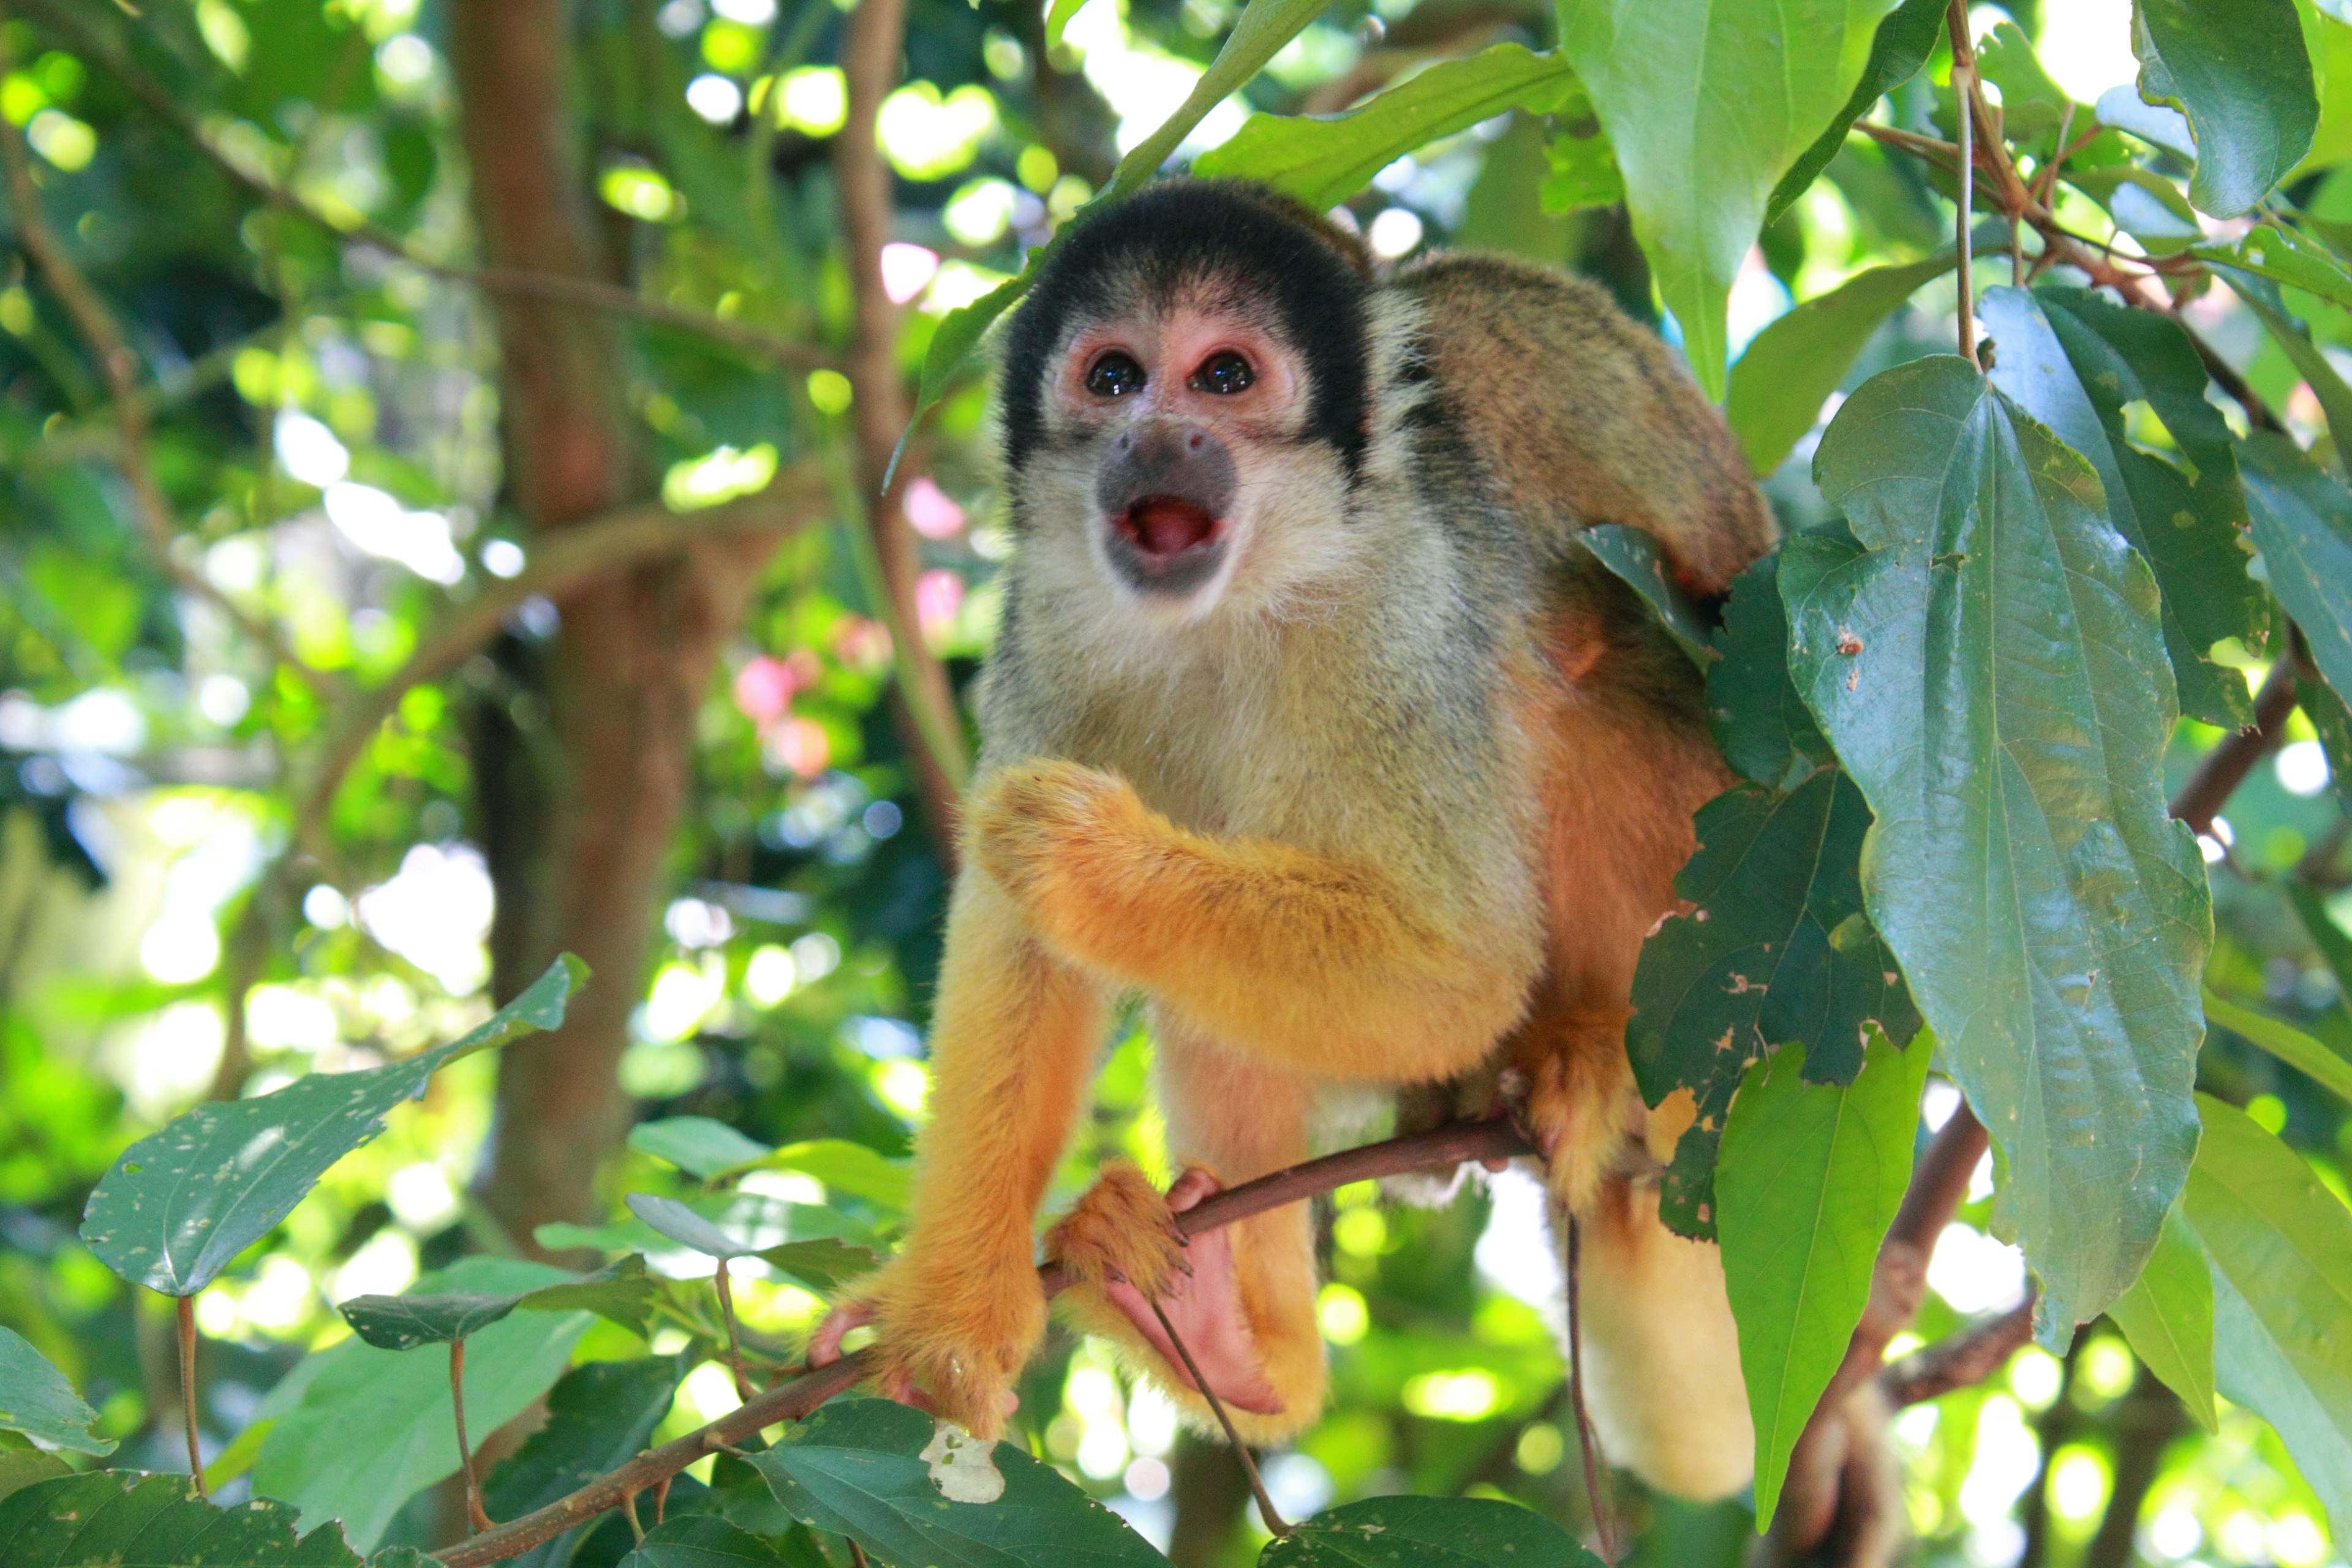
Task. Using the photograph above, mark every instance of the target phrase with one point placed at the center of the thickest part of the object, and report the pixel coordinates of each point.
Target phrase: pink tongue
(1164, 527)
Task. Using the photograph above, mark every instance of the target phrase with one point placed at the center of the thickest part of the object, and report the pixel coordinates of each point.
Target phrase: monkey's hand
(950, 1337)
(1122, 1245)
(1049, 832)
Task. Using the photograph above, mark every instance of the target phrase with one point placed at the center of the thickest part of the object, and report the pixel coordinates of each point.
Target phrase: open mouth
(1162, 528)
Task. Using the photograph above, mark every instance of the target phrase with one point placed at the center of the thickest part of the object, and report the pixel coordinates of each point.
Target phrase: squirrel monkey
(1310, 720)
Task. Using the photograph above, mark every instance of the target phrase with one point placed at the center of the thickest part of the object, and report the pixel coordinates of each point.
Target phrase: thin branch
(734, 1340)
(1490, 1140)
(589, 293)
(187, 1314)
(1961, 1360)
(2226, 767)
(1587, 1439)
(475, 1514)
(1964, 89)
(1265, 1509)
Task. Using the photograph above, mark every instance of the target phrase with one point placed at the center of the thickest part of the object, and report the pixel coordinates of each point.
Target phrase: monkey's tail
(1661, 1356)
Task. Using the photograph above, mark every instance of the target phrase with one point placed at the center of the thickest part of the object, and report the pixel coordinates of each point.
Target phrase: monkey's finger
(825, 1345)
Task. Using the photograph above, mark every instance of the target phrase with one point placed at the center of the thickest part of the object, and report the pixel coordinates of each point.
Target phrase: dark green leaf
(821, 1265)
(598, 1417)
(184, 1201)
(120, 1519)
(37, 1400)
(2334, 946)
(699, 1146)
(1991, 669)
(1762, 724)
(405, 1323)
(1809, 1178)
(1780, 383)
(2302, 526)
(1323, 162)
(1775, 951)
(1906, 36)
(2333, 721)
(621, 1292)
(1632, 557)
(856, 1468)
(2240, 73)
(2282, 1251)
(1427, 1532)
(2167, 1316)
(2288, 1044)
(2283, 256)
(373, 1428)
(2294, 338)
(2074, 360)
(1702, 149)
(701, 1540)
(22, 1468)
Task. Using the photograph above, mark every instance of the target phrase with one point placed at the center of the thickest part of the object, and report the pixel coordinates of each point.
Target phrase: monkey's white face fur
(1177, 484)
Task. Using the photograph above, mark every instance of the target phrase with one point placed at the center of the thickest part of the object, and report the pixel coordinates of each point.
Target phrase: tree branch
(1489, 1140)
(2226, 767)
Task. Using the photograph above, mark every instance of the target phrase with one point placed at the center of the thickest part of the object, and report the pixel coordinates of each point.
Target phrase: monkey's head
(1184, 398)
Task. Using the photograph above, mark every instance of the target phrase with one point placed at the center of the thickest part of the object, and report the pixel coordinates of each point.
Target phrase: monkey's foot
(1123, 1243)
(949, 1339)
(1583, 1108)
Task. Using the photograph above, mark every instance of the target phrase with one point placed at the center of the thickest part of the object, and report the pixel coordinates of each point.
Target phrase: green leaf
(1427, 1532)
(1809, 1178)
(598, 1417)
(703, 1147)
(2294, 338)
(37, 1399)
(1990, 668)
(2284, 255)
(701, 1540)
(2288, 1044)
(2145, 205)
(22, 1468)
(1762, 724)
(2282, 1251)
(2168, 1316)
(2074, 360)
(2334, 946)
(1792, 365)
(1579, 161)
(1708, 102)
(1906, 36)
(751, 1221)
(851, 1168)
(120, 1519)
(373, 1428)
(2240, 73)
(1775, 951)
(182, 1203)
(856, 1468)
(687, 1228)
(1632, 557)
(2031, 104)
(2302, 526)
(621, 1291)
(2333, 721)
(1322, 161)
(821, 1265)
(1058, 18)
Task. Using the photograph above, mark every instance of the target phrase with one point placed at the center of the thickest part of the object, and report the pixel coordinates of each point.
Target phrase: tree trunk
(578, 827)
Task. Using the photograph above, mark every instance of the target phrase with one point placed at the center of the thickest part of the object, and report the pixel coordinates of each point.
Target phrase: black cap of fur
(1180, 231)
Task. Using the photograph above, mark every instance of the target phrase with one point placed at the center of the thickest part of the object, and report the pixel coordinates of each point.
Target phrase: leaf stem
(1588, 1440)
(474, 1516)
(734, 1340)
(1964, 62)
(1273, 1520)
(187, 1310)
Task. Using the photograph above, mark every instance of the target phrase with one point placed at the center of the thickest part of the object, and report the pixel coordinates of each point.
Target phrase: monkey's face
(1175, 437)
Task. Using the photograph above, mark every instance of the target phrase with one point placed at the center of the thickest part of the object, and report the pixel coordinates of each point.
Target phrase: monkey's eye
(1224, 374)
(1115, 374)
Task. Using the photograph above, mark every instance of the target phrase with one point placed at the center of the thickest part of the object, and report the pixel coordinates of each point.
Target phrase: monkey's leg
(1246, 1308)
(1319, 967)
(1013, 1040)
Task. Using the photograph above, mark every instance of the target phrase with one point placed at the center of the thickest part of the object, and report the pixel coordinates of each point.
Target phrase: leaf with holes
(1775, 951)
(856, 1468)
(1808, 1181)
(2241, 75)
(1990, 668)
(2074, 361)
(182, 1203)
(37, 1400)
(120, 1519)
(1709, 104)
(2168, 1316)
(1761, 725)
(1426, 1532)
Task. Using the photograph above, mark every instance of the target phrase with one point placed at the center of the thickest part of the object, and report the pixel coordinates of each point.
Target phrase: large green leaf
(701, 1540)
(1761, 725)
(1990, 667)
(122, 1519)
(2284, 255)
(182, 1202)
(621, 1291)
(1790, 369)
(2074, 360)
(2167, 1316)
(37, 1400)
(856, 1468)
(1323, 162)
(1906, 36)
(1774, 951)
(374, 1427)
(1427, 1532)
(2302, 526)
(2240, 73)
(1808, 1181)
(598, 1417)
(1708, 102)
(2282, 1251)
(22, 1468)
(2294, 338)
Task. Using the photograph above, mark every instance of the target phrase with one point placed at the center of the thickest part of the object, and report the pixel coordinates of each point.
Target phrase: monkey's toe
(1123, 1229)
